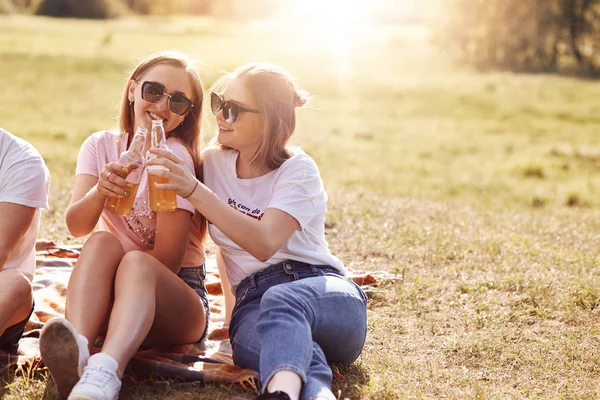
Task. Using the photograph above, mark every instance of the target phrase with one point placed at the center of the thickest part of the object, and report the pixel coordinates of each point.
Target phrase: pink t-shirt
(137, 230)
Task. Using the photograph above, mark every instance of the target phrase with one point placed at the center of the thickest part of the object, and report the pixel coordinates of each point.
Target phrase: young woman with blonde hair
(295, 310)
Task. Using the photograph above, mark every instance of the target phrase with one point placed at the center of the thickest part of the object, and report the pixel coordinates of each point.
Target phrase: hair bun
(300, 98)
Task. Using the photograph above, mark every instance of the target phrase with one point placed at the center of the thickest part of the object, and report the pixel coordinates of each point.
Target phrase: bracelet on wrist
(194, 189)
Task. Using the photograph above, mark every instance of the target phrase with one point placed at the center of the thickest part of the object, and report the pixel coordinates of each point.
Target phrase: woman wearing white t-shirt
(139, 279)
(295, 310)
(24, 183)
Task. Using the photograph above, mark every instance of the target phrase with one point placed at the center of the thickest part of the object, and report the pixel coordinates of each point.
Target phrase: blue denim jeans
(298, 317)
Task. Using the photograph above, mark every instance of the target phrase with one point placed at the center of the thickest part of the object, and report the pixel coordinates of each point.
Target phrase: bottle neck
(137, 145)
(158, 136)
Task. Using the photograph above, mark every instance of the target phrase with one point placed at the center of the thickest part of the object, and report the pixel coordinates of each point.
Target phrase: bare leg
(89, 299)
(90, 288)
(16, 298)
(152, 306)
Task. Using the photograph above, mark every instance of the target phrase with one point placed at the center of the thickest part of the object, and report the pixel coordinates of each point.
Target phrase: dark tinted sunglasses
(153, 92)
(230, 110)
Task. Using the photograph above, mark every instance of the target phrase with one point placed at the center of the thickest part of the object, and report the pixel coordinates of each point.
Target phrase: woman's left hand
(180, 180)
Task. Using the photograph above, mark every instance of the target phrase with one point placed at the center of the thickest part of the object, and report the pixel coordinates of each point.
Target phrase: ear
(131, 90)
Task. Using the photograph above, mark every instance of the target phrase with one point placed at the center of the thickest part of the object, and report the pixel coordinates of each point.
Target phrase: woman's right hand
(180, 180)
(112, 183)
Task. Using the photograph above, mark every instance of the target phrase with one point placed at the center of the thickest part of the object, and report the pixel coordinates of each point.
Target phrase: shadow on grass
(27, 382)
(352, 386)
(50, 392)
(7, 378)
(355, 377)
(173, 390)
(36, 384)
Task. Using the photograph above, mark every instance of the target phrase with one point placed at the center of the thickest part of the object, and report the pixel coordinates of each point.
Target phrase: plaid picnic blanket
(209, 361)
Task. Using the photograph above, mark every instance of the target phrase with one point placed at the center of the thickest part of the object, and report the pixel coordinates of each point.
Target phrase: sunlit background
(340, 25)
(457, 140)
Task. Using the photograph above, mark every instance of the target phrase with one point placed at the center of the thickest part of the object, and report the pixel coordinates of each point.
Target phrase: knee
(277, 296)
(133, 258)
(135, 266)
(101, 248)
(102, 251)
(281, 302)
(17, 285)
(104, 241)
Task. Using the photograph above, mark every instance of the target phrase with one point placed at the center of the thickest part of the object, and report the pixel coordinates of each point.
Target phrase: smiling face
(246, 133)
(175, 80)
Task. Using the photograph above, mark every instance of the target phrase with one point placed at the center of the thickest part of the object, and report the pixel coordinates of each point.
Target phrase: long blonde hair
(189, 131)
(276, 95)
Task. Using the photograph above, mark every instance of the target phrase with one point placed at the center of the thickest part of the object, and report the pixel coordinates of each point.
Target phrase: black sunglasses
(153, 92)
(230, 110)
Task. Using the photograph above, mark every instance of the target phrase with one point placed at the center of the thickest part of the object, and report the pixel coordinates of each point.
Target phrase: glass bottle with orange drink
(133, 160)
(160, 199)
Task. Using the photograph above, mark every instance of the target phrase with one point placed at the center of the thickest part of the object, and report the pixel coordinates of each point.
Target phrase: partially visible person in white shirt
(24, 184)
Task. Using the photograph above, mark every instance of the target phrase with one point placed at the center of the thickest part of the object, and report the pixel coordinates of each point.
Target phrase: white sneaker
(99, 380)
(64, 352)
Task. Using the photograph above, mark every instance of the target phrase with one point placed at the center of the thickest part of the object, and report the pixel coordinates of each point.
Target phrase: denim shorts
(9, 341)
(194, 277)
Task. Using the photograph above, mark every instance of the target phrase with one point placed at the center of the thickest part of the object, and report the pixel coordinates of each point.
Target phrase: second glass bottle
(160, 199)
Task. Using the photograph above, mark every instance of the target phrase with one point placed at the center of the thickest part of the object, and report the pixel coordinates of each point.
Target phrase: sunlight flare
(336, 24)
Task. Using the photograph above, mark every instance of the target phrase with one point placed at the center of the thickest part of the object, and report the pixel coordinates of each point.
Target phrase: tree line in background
(101, 9)
(546, 35)
(521, 34)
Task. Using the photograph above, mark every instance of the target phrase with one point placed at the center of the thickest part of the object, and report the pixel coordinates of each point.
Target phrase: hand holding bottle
(172, 170)
(128, 175)
(111, 182)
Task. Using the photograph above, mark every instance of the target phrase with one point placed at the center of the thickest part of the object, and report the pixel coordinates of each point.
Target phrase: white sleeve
(299, 191)
(26, 182)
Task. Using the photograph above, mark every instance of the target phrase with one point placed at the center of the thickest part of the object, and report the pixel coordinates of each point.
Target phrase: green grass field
(482, 190)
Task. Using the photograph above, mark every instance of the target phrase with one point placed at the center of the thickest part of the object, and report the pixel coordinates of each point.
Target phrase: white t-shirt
(24, 180)
(137, 230)
(295, 187)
